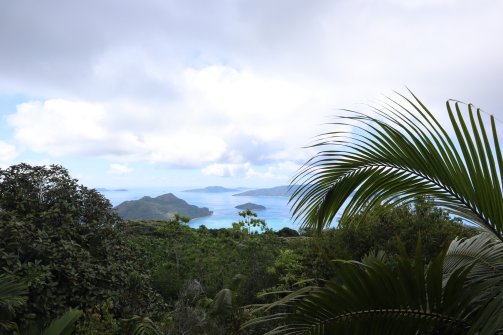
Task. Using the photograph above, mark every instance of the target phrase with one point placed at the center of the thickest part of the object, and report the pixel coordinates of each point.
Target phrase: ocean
(277, 213)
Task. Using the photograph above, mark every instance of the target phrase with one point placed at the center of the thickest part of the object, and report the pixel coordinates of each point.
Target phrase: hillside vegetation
(70, 249)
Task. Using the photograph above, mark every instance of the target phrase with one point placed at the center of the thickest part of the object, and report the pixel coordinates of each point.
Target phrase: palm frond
(63, 325)
(225, 299)
(483, 250)
(13, 292)
(374, 297)
(223, 302)
(145, 326)
(401, 153)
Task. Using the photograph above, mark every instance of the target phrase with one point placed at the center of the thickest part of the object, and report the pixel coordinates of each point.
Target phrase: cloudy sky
(200, 92)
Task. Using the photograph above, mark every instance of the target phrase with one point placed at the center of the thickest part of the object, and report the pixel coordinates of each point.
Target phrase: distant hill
(162, 207)
(278, 191)
(251, 206)
(102, 189)
(214, 189)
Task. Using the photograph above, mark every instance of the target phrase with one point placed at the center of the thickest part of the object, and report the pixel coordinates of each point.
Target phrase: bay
(277, 213)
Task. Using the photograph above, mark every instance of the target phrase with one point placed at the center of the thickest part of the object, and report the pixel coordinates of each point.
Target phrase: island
(213, 189)
(251, 206)
(278, 191)
(163, 207)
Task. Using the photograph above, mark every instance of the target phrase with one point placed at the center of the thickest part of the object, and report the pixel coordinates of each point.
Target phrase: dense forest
(64, 250)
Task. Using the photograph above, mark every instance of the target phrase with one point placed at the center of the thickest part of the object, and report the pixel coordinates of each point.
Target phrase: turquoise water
(277, 212)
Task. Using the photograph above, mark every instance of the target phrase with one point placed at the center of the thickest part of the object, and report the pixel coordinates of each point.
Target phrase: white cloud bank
(225, 116)
(281, 171)
(232, 88)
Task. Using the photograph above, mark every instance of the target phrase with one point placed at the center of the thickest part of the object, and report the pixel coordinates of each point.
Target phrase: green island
(251, 206)
(162, 207)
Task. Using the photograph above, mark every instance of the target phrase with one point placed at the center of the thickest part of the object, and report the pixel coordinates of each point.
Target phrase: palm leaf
(13, 293)
(484, 254)
(145, 326)
(63, 325)
(372, 297)
(224, 301)
(401, 153)
(482, 251)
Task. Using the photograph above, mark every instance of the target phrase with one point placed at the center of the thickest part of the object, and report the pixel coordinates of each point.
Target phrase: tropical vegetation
(391, 157)
(70, 264)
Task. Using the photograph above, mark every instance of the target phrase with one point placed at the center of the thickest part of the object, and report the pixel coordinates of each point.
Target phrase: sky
(165, 93)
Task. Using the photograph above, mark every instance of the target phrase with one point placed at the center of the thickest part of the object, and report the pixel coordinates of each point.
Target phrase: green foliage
(145, 326)
(67, 243)
(64, 325)
(184, 260)
(250, 224)
(287, 232)
(379, 227)
(225, 306)
(288, 268)
(177, 253)
(98, 320)
(158, 277)
(180, 257)
(12, 295)
(358, 236)
(483, 251)
(225, 299)
(189, 315)
(372, 297)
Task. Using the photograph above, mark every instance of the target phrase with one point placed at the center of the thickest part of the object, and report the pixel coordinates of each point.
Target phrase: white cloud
(8, 153)
(184, 148)
(224, 116)
(227, 170)
(277, 171)
(58, 127)
(120, 169)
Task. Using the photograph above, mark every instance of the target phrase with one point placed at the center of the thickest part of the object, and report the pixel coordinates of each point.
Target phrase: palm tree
(392, 157)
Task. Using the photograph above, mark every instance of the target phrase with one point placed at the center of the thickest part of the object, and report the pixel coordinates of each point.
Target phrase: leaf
(482, 251)
(63, 325)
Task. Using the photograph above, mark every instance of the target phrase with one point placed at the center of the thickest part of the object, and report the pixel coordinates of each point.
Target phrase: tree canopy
(65, 241)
